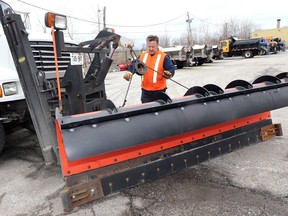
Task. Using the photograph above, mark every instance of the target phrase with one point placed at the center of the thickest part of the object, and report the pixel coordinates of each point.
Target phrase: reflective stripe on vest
(145, 58)
(156, 68)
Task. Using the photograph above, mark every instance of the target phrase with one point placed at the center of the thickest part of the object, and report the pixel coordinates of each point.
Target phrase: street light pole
(189, 20)
(98, 18)
(104, 17)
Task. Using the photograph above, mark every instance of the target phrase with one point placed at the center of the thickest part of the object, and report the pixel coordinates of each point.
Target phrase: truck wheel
(248, 54)
(200, 62)
(180, 64)
(2, 137)
(263, 52)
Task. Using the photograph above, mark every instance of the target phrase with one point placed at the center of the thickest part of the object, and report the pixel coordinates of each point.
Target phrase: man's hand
(167, 74)
(127, 76)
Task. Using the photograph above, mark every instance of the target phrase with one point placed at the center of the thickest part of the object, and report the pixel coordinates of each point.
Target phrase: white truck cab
(13, 108)
(10, 87)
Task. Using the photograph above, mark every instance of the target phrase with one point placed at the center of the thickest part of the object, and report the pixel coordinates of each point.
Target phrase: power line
(93, 22)
(150, 25)
(33, 5)
(120, 32)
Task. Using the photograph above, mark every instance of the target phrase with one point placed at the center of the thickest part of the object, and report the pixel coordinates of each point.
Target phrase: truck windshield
(223, 43)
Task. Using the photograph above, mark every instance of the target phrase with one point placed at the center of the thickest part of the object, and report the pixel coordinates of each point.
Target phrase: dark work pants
(149, 96)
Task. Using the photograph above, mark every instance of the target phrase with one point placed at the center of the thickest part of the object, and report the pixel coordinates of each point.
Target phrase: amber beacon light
(58, 21)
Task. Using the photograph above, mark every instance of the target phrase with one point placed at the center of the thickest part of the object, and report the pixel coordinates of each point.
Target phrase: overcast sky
(137, 19)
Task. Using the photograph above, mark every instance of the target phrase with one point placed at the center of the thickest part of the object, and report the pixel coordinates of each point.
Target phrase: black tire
(2, 137)
(200, 62)
(263, 52)
(248, 54)
(180, 64)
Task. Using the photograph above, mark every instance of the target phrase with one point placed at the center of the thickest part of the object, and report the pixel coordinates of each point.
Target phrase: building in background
(276, 32)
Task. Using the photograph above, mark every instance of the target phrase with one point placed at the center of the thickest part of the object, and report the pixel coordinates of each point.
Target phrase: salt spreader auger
(103, 149)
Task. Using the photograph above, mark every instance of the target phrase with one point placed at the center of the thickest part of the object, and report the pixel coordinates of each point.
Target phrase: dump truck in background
(281, 46)
(181, 56)
(202, 54)
(102, 148)
(217, 52)
(247, 48)
(264, 47)
(187, 56)
(272, 43)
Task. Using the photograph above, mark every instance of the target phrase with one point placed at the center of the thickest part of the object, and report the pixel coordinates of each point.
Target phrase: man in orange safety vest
(159, 69)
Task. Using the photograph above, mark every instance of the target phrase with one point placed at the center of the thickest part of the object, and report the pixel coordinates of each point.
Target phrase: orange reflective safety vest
(151, 80)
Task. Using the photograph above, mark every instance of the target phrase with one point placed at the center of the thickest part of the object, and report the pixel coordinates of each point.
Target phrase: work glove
(167, 74)
(127, 76)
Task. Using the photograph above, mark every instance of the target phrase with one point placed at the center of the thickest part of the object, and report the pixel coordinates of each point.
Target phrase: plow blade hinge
(271, 131)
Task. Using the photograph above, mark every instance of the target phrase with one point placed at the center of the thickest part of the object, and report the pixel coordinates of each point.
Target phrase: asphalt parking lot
(249, 181)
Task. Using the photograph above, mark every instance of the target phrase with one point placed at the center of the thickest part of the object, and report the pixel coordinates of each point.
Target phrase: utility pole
(189, 20)
(226, 30)
(98, 18)
(104, 17)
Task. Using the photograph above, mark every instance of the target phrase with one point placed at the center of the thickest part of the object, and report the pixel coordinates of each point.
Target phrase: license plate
(76, 58)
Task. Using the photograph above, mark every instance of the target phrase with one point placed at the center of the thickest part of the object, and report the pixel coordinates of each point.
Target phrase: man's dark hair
(152, 38)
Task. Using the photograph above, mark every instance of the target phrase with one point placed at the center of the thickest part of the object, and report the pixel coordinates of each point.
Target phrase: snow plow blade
(106, 151)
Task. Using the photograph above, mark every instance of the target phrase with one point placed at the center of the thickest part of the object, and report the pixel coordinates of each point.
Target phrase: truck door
(225, 46)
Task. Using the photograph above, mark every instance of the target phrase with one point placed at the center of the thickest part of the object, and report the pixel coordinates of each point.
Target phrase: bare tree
(164, 40)
(246, 29)
(143, 46)
(214, 39)
(177, 41)
(42, 25)
(235, 27)
(204, 34)
(182, 40)
(230, 27)
(70, 29)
